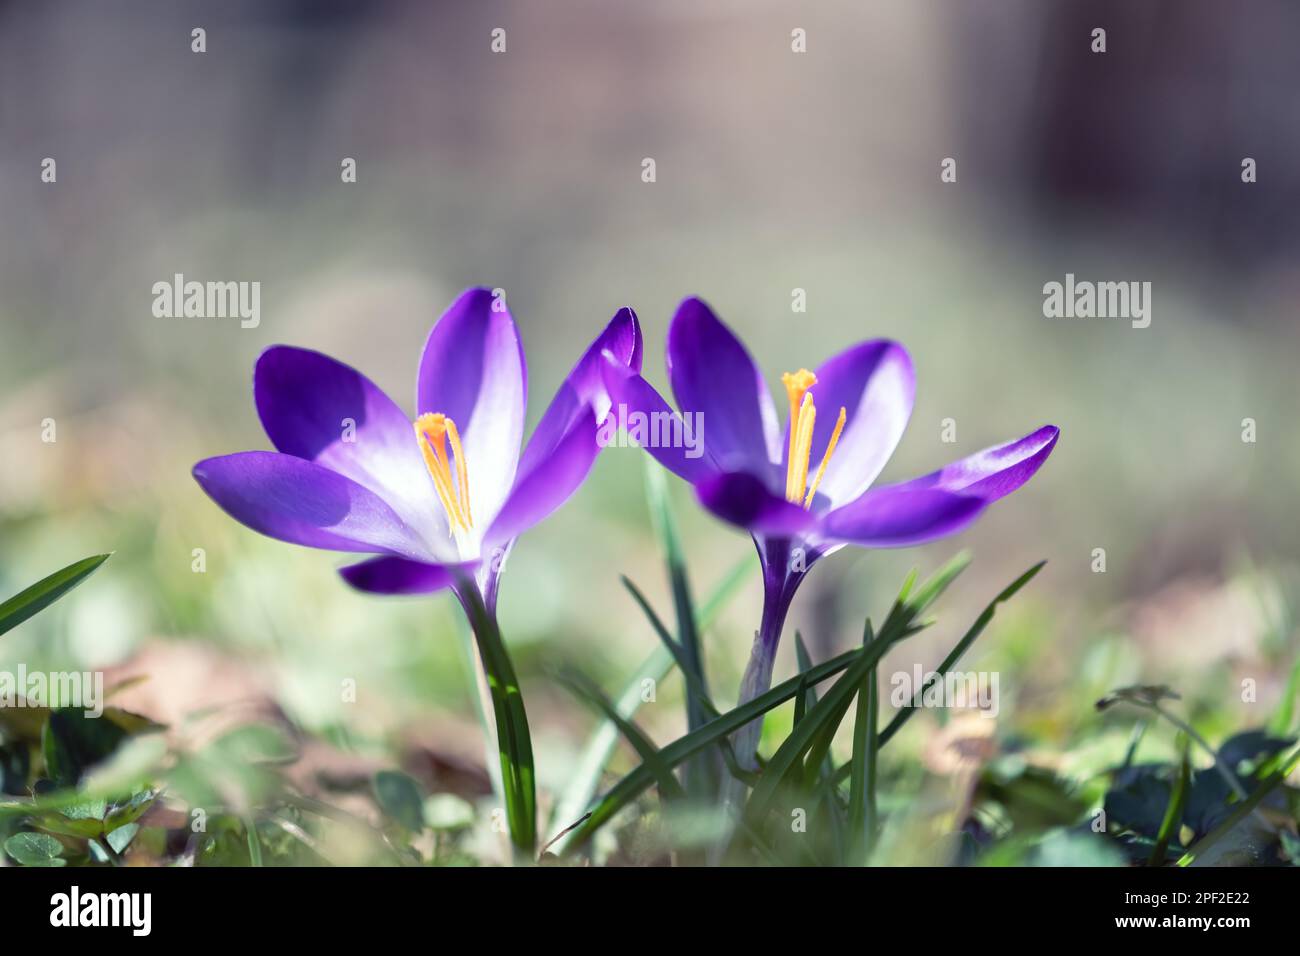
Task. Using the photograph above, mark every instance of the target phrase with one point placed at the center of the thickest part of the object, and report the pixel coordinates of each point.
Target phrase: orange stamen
(796, 386)
(797, 476)
(432, 431)
(803, 418)
(830, 449)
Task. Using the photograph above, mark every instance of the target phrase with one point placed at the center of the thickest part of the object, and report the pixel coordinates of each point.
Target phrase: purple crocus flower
(848, 415)
(439, 500)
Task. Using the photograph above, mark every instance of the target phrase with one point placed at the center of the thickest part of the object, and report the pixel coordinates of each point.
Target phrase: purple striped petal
(943, 502)
(298, 501)
(993, 472)
(548, 485)
(745, 501)
(896, 517)
(584, 388)
(875, 384)
(389, 575)
(317, 408)
(636, 400)
(712, 373)
(473, 371)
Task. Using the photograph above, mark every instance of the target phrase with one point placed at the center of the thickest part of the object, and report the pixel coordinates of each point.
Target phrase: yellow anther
(433, 431)
(796, 386)
(796, 473)
(803, 417)
(462, 471)
(830, 449)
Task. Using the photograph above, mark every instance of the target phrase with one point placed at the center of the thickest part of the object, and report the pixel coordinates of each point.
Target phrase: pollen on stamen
(803, 419)
(433, 430)
(830, 450)
(796, 387)
(796, 384)
(803, 447)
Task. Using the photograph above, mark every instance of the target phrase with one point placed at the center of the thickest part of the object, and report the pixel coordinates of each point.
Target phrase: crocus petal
(316, 408)
(993, 472)
(298, 501)
(622, 340)
(711, 373)
(745, 500)
(584, 389)
(637, 403)
(473, 371)
(875, 384)
(389, 575)
(896, 517)
(549, 484)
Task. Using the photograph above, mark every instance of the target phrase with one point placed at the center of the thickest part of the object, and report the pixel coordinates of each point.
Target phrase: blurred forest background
(775, 171)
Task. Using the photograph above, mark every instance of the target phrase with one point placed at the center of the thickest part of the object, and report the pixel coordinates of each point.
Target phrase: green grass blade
(254, 841)
(821, 719)
(704, 774)
(937, 584)
(862, 779)
(45, 592)
(818, 758)
(661, 517)
(1174, 809)
(1243, 810)
(596, 753)
(747, 777)
(820, 751)
(643, 745)
(1283, 719)
(960, 648)
(830, 802)
(803, 661)
(898, 625)
(800, 704)
(806, 697)
(669, 642)
(909, 582)
(600, 745)
(955, 655)
(634, 783)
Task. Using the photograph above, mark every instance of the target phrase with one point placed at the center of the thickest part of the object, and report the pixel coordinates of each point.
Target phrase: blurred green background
(775, 171)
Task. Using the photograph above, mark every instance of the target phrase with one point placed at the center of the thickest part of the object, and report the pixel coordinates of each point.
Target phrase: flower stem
(779, 585)
(513, 741)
